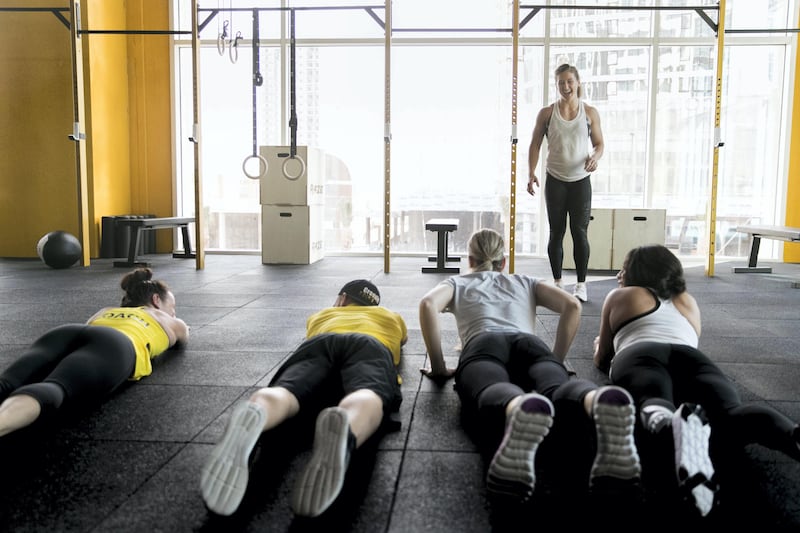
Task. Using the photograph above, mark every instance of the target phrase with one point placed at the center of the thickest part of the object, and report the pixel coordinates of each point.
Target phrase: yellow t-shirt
(148, 337)
(386, 326)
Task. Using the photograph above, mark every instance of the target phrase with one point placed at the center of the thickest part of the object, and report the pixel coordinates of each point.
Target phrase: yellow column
(199, 219)
(512, 205)
(712, 212)
(78, 134)
(387, 139)
(791, 251)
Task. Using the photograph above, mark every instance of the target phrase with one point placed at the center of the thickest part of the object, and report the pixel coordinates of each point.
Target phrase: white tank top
(664, 323)
(567, 145)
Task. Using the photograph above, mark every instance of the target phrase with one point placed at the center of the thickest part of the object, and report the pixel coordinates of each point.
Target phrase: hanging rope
(293, 110)
(258, 80)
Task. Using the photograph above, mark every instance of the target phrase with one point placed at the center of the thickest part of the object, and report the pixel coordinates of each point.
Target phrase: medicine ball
(59, 249)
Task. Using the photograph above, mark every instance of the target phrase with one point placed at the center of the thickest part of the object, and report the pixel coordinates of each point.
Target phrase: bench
(443, 227)
(780, 233)
(135, 227)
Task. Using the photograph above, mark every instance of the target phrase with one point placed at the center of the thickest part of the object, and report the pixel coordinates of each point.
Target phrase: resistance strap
(293, 110)
(258, 80)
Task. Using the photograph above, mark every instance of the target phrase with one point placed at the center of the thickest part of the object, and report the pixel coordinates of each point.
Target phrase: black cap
(362, 291)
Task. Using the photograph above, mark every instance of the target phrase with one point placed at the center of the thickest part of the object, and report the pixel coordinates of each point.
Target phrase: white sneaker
(512, 472)
(580, 292)
(558, 283)
(226, 472)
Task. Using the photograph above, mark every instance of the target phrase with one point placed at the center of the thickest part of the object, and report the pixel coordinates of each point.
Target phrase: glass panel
(472, 14)
(750, 161)
(230, 197)
(687, 23)
(593, 23)
(683, 140)
(340, 111)
(451, 118)
(746, 14)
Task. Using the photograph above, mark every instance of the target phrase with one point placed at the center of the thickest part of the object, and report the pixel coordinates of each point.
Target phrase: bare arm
(604, 342)
(433, 303)
(175, 328)
(536, 145)
(569, 309)
(598, 145)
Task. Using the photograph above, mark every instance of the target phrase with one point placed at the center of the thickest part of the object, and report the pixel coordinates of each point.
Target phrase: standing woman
(84, 363)
(649, 333)
(570, 125)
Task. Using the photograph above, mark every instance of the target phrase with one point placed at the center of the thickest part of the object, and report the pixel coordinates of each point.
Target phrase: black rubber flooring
(133, 463)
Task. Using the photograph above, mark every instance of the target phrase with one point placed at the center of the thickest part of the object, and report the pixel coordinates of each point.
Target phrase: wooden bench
(443, 227)
(135, 227)
(780, 233)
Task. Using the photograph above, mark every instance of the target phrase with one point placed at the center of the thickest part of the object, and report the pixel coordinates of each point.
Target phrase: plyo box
(614, 232)
(291, 234)
(601, 227)
(286, 182)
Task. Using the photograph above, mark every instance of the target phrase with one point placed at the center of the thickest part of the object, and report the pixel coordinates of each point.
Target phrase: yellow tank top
(386, 326)
(148, 337)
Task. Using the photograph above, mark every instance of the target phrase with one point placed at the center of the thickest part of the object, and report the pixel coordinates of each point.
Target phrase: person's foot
(614, 419)
(558, 283)
(693, 466)
(581, 292)
(226, 473)
(323, 477)
(512, 470)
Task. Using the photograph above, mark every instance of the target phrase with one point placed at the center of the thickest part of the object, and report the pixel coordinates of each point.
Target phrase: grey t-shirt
(492, 301)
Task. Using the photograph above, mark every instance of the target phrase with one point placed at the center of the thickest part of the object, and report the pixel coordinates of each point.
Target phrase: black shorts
(327, 367)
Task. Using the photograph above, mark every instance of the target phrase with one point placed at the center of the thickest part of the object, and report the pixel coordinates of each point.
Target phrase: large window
(651, 74)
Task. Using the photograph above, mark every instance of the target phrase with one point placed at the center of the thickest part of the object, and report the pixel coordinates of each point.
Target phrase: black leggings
(75, 363)
(573, 198)
(672, 374)
(494, 368)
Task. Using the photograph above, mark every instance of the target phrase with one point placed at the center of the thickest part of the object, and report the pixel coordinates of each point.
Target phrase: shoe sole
(616, 455)
(226, 473)
(323, 477)
(512, 470)
(692, 461)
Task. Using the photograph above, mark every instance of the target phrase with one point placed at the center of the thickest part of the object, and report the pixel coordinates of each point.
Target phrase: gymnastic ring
(262, 166)
(234, 47)
(302, 168)
(221, 39)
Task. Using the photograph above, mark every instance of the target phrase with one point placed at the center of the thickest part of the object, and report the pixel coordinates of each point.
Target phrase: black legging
(573, 198)
(496, 367)
(74, 363)
(671, 374)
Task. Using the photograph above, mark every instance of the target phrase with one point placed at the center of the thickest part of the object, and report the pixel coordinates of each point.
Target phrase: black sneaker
(512, 470)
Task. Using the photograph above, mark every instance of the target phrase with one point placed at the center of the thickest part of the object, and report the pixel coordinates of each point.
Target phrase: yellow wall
(791, 252)
(128, 121)
(38, 180)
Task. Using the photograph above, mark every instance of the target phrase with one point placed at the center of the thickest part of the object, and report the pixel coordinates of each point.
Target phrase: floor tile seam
(406, 440)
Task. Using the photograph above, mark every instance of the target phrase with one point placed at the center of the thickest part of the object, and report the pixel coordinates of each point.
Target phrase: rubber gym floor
(133, 463)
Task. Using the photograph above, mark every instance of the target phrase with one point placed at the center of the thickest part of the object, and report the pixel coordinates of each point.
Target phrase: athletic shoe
(323, 477)
(558, 283)
(580, 292)
(512, 470)
(693, 465)
(614, 419)
(655, 417)
(225, 475)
